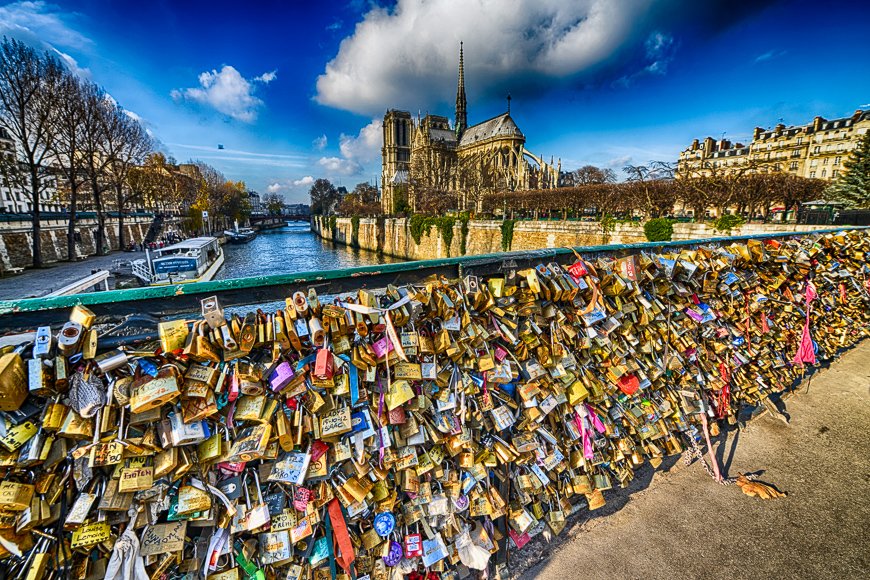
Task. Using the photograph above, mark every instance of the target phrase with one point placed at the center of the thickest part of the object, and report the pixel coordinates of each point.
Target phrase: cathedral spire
(461, 112)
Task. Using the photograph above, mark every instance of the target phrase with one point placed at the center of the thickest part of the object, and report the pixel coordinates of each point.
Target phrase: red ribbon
(344, 554)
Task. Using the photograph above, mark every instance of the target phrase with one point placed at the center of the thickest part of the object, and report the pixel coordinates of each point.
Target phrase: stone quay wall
(485, 237)
(16, 239)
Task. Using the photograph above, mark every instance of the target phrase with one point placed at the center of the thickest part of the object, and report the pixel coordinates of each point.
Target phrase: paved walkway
(685, 526)
(34, 283)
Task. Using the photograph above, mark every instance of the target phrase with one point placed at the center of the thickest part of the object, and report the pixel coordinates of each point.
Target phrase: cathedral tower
(461, 105)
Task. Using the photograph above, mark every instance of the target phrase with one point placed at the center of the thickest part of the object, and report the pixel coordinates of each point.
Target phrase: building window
(824, 172)
(814, 162)
(816, 149)
(812, 174)
(800, 140)
(835, 172)
(837, 160)
(793, 166)
(796, 153)
(825, 161)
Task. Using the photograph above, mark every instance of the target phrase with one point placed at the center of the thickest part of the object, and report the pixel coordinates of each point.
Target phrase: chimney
(708, 145)
(757, 133)
(695, 144)
(780, 128)
(857, 115)
(817, 123)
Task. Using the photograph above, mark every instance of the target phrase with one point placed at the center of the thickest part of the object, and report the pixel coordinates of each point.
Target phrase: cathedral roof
(501, 126)
(445, 135)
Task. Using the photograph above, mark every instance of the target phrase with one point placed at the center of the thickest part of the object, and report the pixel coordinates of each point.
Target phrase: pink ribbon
(806, 354)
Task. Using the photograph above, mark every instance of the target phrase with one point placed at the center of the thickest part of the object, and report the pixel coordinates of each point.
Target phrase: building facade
(469, 160)
(815, 150)
(14, 195)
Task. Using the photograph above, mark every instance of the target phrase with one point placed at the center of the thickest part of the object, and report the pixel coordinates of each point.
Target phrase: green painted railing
(173, 300)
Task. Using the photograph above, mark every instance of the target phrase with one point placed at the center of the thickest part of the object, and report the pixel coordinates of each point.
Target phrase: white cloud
(320, 143)
(618, 162)
(527, 42)
(659, 50)
(769, 55)
(267, 77)
(366, 146)
(274, 187)
(73, 65)
(307, 180)
(339, 166)
(40, 23)
(228, 92)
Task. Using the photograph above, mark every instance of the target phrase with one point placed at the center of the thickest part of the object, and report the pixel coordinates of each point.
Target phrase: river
(286, 250)
(293, 248)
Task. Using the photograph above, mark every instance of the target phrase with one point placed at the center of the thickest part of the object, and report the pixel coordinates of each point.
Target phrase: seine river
(293, 248)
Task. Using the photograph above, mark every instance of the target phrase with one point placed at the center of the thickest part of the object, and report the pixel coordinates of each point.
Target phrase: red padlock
(323, 365)
(413, 545)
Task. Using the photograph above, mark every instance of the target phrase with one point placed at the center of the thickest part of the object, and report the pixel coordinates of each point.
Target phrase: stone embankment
(393, 237)
(16, 239)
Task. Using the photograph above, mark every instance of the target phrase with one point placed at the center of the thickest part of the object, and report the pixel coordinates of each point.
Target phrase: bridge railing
(175, 300)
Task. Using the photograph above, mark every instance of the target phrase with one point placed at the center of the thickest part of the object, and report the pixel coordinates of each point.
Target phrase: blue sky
(296, 90)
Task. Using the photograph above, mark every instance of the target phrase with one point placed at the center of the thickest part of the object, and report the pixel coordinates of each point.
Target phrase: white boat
(193, 260)
(240, 236)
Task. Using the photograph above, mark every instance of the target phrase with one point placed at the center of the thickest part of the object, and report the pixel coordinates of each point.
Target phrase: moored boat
(240, 236)
(193, 260)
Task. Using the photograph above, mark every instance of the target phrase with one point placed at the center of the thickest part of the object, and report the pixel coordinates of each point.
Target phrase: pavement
(679, 523)
(35, 283)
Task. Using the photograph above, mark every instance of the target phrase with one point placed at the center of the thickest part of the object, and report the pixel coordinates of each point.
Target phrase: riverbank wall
(16, 239)
(393, 237)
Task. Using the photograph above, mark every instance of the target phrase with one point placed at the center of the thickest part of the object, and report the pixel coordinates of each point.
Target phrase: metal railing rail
(163, 301)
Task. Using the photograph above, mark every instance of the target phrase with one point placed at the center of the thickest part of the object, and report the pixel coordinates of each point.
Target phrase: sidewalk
(34, 283)
(683, 525)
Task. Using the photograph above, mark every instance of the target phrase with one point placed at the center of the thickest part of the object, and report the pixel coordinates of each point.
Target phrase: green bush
(507, 234)
(354, 231)
(659, 230)
(464, 218)
(728, 222)
(420, 224)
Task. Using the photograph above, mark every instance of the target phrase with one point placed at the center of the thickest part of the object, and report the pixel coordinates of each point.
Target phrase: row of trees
(74, 145)
(64, 129)
(327, 198)
(650, 193)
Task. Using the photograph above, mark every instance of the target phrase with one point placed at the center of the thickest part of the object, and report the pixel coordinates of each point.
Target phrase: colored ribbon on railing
(806, 353)
(340, 546)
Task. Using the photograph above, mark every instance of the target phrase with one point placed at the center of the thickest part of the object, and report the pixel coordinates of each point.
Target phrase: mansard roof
(501, 126)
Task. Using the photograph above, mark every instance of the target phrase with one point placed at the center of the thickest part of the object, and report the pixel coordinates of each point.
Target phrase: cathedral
(427, 154)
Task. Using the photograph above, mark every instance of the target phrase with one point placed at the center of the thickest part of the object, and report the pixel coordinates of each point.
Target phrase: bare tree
(95, 134)
(66, 149)
(28, 95)
(589, 174)
(127, 145)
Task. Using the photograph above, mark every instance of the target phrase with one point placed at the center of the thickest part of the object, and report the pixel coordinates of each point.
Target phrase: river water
(291, 249)
(286, 250)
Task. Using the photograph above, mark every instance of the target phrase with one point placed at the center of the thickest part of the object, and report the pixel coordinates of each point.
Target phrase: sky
(278, 94)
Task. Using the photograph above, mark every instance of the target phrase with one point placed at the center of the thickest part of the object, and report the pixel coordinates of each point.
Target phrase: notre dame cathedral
(429, 155)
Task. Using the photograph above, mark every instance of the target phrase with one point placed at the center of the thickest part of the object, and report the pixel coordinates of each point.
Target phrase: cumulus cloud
(366, 145)
(305, 181)
(267, 77)
(320, 143)
(534, 40)
(405, 55)
(340, 166)
(228, 92)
